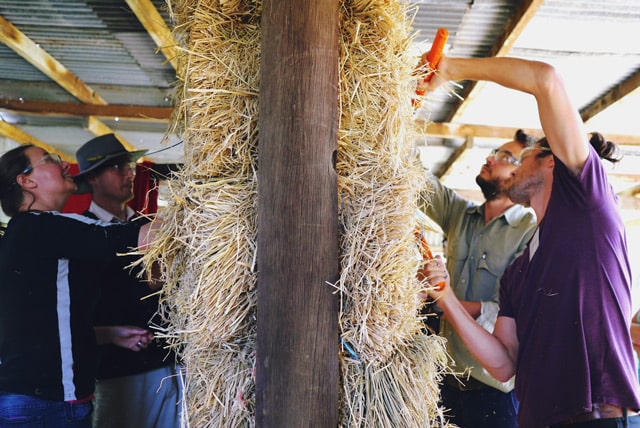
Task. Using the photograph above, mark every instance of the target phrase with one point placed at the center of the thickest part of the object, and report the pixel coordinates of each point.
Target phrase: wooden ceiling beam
(521, 17)
(152, 21)
(453, 130)
(457, 154)
(43, 61)
(78, 109)
(151, 113)
(612, 96)
(19, 136)
(46, 63)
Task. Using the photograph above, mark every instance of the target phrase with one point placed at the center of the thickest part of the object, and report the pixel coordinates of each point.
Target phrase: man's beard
(520, 191)
(491, 189)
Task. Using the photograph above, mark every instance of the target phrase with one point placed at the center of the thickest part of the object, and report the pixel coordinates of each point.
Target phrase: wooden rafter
(130, 112)
(612, 96)
(16, 134)
(152, 21)
(523, 14)
(43, 61)
(458, 152)
(454, 130)
(163, 114)
(55, 70)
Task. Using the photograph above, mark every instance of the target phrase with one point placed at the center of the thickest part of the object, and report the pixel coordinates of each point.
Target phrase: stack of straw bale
(391, 378)
(207, 245)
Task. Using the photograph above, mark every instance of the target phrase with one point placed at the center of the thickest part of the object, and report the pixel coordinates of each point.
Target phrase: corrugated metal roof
(100, 41)
(474, 27)
(592, 42)
(104, 44)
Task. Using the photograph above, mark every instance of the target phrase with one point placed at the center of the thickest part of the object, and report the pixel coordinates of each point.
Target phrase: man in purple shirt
(565, 303)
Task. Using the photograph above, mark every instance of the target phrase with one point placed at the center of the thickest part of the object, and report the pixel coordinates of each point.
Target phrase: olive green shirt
(477, 255)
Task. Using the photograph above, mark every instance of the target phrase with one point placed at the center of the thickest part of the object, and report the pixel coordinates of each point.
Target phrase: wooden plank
(523, 14)
(126, 112)
(461, 130)
(297, 346)
(457, 153)
(43, 61)
(456, 130)
(19, 136)
(152, 21)
(627, 88)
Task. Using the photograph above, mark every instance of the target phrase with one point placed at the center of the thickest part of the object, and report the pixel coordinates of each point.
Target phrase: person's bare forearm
(635, 334)
(496, 352)
(473, 308)
(560, 120)
(513, 73)
(488, 349)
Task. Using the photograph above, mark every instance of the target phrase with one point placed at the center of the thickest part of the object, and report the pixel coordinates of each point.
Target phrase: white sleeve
(488, 315)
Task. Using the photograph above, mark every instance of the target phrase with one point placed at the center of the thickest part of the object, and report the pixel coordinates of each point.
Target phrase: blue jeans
(480, 406)
(27, 411)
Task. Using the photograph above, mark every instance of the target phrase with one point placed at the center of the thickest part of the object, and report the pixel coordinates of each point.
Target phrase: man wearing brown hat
(133, 389)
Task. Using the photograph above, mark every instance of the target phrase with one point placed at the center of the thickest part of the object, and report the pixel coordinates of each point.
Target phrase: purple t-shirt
(569, 293)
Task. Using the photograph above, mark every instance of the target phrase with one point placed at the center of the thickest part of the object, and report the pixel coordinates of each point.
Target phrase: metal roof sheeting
(592, 42)
(101, 41)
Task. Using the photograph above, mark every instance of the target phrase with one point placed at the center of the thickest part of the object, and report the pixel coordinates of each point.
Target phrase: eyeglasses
(504, 156)
(527, 150)
(122, 168)
(47, 158)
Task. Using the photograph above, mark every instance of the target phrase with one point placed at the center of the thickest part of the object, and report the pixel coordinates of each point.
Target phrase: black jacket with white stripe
(48, 262)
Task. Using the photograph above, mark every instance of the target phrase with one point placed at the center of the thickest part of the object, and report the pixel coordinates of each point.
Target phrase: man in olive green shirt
(482, 240)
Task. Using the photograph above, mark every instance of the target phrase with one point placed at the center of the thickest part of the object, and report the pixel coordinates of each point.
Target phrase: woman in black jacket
(49, 263)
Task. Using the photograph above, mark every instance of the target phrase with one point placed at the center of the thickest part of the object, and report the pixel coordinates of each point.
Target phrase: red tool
(427, 255)
(433, 58)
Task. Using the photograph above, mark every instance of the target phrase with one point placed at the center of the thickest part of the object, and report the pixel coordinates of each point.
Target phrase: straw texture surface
(207, 245)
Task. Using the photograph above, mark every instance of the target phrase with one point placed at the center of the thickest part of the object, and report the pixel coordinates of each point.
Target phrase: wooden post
(297, 364)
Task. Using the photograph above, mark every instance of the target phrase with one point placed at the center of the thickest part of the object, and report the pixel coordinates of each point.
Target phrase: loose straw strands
(406, 396)
(210, 298)
(392, 377)
(207, 245)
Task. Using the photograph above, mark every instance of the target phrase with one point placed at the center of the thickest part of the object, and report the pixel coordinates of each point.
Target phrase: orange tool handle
(434, 55)
(428, 255)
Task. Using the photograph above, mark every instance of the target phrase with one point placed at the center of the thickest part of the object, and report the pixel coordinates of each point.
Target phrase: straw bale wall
(207, 245)
(392, 380)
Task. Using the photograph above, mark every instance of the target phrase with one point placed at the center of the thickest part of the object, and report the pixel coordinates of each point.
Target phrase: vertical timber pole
(297, 370)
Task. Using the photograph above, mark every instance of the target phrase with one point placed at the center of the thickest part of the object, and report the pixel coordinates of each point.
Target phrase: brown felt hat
(98, 152)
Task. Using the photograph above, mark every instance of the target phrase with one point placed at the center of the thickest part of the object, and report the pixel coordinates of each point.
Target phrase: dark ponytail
(605, 149)
(12, 163)
(527, 140)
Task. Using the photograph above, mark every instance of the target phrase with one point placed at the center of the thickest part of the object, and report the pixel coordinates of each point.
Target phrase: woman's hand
(435, 276)
(148, 232)
(130, 337)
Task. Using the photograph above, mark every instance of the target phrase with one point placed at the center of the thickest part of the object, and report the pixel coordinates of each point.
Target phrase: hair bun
(606, 149)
